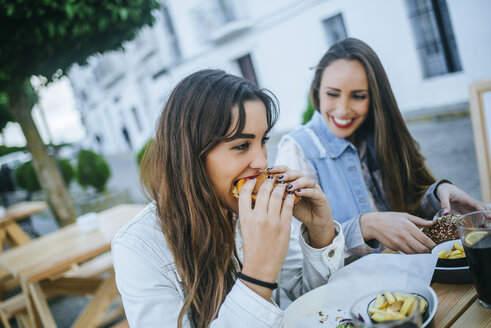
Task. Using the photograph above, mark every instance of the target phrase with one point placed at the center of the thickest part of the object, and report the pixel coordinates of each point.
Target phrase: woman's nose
(342, 107)
(260, 159)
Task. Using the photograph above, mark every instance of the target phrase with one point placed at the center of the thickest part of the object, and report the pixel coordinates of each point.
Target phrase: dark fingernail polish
(282, 182)
(289, 186)
(279, 177)
(269, 168)
(298, 190)
(290, 193)
(270, 177)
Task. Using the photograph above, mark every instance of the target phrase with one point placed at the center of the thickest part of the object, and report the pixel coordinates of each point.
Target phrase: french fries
(395, 306)
(456, 252)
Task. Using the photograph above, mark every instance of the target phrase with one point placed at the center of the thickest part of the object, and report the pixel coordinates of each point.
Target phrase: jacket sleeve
(152, 294)
(306, 268)
(429, 203)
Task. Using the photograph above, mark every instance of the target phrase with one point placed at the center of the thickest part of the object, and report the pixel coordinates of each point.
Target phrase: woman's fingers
(418, 221)
(276, 199)
(245, 196)
(264, 194)
(287, 208)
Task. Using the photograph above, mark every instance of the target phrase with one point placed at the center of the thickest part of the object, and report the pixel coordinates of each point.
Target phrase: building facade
(431, 49)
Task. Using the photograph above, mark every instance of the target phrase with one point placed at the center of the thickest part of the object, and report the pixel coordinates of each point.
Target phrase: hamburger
(444, 229)
(263, 175)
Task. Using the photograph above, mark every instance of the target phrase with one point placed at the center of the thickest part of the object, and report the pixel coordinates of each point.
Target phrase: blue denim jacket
(337, 164)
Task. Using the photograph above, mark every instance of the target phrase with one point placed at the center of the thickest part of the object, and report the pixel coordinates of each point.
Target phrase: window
(134, 111)
(435, 40)
(247, 68)
(171, 33)
(335, 29)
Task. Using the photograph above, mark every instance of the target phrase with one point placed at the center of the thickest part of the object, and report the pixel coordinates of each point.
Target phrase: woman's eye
(265, 140)
(360, 97)
(242, 146)
(331, 94)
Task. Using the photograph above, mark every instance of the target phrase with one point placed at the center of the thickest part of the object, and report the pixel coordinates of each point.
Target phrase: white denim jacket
(151, 288)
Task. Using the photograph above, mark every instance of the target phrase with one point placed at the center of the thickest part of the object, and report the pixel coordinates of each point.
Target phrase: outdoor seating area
(68, 261)
(233, 163)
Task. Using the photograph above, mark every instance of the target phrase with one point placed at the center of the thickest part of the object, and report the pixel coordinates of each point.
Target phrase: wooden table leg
(95, 310)
(16, 233)
(32, 316)
(41, 304)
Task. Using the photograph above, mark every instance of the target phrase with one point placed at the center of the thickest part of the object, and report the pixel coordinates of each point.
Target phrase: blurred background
(108, 106)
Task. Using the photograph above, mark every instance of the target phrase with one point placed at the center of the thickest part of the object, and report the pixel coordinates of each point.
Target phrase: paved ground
(447, 145)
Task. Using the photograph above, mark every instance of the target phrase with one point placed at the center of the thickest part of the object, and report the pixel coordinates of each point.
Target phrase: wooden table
(458, 307)
(9, 229)
(39, 263)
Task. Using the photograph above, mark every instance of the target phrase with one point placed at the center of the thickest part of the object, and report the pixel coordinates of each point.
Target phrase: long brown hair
(405, 175)
(198, 230)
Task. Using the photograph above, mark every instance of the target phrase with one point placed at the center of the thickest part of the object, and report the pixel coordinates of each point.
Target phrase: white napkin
(377, 272)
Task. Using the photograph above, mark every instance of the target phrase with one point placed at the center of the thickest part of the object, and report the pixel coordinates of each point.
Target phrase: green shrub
(140, 154)
(26, 178)
(92, 170)
(307, 114)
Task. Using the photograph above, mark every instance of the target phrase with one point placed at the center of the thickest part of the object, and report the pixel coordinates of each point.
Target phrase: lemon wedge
(474, 237)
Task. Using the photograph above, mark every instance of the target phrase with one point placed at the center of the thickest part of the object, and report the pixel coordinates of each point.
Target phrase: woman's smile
(342, 124)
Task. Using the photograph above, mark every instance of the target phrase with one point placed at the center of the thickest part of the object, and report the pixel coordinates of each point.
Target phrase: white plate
(306, 310)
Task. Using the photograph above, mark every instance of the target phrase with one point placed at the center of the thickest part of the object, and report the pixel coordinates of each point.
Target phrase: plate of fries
(452, 266)
(450, 254)
(390, 306)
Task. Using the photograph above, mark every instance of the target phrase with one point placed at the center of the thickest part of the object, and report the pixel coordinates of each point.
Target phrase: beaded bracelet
(269, 285)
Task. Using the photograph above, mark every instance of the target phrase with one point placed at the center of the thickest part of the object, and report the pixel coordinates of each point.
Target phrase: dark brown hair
(199, 231)
(405, 175)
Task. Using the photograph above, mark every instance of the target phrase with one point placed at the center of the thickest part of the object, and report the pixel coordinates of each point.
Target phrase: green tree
(45, 38)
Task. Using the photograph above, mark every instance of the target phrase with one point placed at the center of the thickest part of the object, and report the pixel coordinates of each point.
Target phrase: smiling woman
(357, 146)
(195, 256)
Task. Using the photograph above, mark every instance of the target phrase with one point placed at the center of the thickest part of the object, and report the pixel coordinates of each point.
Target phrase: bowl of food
(450, 254)
(396, 308)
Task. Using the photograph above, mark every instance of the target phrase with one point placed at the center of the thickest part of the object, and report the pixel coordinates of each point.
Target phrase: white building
(431, 50)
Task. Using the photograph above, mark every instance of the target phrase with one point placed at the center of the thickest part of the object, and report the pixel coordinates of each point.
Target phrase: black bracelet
(269, 285)
(436, 187)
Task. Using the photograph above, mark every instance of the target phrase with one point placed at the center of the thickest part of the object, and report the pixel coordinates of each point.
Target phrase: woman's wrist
(262, 291)
(366, 221)
(321, 235)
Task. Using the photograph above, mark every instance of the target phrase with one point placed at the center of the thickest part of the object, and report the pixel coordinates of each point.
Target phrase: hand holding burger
(311, 205)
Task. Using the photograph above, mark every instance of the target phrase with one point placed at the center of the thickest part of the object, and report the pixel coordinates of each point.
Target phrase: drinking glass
(361, 317)
(475, 233)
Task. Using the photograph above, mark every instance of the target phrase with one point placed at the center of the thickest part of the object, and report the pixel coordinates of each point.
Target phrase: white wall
(285, 40)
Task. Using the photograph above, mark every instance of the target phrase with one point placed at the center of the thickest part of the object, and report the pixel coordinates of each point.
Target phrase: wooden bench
(93, 267)
(82, 279)
(15, 306)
